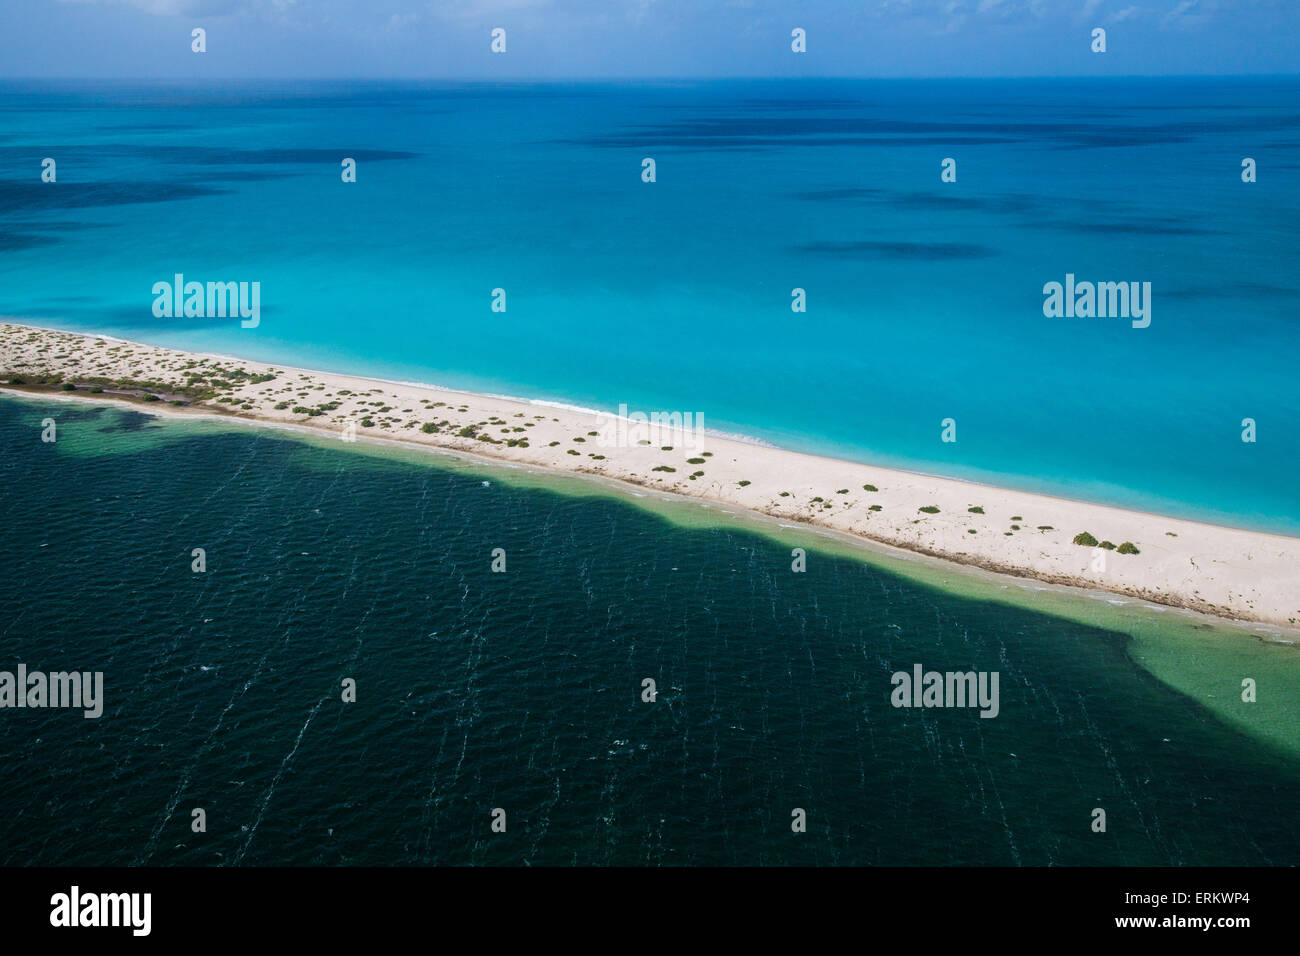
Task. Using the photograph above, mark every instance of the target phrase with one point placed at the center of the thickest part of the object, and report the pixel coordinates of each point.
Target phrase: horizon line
(643, 78)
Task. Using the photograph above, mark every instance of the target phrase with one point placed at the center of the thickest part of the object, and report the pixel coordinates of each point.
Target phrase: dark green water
(522, 690)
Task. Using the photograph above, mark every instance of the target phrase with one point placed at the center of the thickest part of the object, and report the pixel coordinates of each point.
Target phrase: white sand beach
(1228, 572)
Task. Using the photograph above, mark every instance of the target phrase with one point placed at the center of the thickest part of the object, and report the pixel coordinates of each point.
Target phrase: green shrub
(929, 509)
(875, 508)
(1108, 545)
(870, 488)
(744, 483)
(977, 510)
(1085, 539)
(1128, 548)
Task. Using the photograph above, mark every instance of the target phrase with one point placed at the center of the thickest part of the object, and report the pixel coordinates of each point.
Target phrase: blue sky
(553, 39)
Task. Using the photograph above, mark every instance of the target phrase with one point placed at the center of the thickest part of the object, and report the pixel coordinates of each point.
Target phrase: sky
(564, 39)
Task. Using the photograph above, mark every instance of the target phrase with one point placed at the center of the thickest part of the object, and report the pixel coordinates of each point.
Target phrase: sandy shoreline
(1227, 572)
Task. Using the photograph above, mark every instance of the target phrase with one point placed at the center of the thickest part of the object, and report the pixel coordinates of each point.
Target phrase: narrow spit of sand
(1227, 572)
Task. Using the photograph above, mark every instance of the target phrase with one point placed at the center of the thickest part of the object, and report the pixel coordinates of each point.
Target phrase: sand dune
(1245, 575)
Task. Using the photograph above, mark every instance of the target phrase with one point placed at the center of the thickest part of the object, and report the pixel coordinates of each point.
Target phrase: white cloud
(195, 8)
(1190, 13)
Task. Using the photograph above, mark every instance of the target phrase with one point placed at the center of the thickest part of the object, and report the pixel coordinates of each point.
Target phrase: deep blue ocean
(523, 690)
(924, 297)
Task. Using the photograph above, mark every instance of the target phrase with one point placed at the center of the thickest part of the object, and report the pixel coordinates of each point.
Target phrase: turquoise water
(924, 298)
(521, 690)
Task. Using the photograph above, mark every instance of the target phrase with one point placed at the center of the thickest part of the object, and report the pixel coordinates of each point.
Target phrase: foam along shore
(1227, 572)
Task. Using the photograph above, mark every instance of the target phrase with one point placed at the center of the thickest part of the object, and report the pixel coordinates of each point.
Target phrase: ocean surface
(522, 690)
(924, 298)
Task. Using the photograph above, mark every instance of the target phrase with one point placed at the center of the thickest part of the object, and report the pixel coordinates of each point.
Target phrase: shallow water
(924, 298)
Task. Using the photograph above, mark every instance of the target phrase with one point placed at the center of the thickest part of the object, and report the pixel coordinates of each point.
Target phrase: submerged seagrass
(522, 690)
